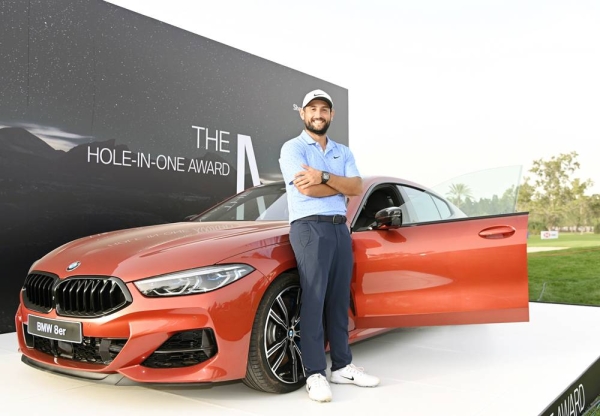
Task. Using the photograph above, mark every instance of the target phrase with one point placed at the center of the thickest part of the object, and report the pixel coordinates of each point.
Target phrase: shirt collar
(310, 141)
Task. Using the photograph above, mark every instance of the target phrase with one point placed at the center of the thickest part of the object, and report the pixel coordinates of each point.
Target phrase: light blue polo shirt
(336, 158)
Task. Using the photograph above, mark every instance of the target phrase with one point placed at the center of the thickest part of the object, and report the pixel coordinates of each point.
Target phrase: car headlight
(189, 282)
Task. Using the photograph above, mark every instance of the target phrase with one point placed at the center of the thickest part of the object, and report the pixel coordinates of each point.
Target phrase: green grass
(565, 276)
(594, 410)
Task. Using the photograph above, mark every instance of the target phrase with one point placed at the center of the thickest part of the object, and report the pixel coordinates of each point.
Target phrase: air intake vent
(184, 349)
(91, 350)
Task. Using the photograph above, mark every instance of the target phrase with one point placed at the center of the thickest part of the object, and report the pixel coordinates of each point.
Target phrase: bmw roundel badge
(73, 266)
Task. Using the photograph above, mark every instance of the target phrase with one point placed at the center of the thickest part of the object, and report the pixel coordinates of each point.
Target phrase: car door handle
(498, 231)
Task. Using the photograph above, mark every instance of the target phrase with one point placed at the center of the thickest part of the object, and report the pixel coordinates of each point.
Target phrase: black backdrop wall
(111, 120)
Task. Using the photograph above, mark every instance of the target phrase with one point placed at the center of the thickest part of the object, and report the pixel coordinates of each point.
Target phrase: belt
(332, 219)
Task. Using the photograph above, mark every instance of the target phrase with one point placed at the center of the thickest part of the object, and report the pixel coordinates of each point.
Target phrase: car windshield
(263, 203)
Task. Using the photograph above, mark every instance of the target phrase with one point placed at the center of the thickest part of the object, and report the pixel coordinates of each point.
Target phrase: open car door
(450, 262)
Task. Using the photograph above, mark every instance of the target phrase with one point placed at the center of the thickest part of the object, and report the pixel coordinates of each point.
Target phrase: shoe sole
(326, 400)
(323, 400)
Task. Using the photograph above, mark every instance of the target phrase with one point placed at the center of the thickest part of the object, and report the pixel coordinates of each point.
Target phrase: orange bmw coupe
(216, 297)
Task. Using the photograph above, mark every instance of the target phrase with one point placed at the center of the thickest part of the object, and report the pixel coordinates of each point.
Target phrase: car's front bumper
(136, 334)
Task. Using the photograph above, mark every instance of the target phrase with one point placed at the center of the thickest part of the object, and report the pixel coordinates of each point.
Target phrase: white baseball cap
(317, 95)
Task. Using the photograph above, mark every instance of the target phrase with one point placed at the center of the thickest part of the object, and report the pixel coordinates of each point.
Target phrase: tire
(274, 358)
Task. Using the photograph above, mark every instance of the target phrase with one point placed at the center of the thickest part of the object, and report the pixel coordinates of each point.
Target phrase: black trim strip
(578, 397)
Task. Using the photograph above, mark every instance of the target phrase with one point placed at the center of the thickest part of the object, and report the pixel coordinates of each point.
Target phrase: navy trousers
(323, 252)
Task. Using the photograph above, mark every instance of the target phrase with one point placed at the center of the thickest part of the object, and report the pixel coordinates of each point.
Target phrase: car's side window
(424, 206)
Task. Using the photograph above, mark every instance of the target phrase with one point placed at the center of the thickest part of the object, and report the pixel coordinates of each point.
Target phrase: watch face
(324, 177)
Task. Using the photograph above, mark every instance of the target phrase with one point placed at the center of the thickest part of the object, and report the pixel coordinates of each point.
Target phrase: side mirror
(388, 218)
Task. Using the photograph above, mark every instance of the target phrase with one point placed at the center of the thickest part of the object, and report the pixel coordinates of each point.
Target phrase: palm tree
(459, 192)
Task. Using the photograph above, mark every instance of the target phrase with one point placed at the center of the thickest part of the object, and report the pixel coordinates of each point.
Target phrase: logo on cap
(313, 95)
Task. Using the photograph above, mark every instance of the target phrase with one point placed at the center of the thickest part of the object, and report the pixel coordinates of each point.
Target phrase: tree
(578, 211)
(594, 206)
(526, 191)
(459, 193)
(508, 202)
(555, 195)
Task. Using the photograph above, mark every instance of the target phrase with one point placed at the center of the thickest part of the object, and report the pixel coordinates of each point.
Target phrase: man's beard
(320, 131)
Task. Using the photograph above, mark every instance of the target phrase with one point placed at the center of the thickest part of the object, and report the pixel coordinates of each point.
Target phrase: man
(319, 174)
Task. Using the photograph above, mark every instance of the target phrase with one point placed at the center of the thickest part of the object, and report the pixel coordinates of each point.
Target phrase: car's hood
(149, 251)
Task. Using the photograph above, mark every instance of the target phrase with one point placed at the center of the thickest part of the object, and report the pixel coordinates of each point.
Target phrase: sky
(438, 88)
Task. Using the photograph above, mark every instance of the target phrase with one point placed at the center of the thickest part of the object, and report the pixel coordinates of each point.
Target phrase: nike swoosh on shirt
(335, 157)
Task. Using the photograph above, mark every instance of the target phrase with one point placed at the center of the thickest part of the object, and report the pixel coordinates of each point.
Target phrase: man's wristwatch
(324, 177)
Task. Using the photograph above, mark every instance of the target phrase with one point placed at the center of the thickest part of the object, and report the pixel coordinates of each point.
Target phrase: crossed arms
(308, 182)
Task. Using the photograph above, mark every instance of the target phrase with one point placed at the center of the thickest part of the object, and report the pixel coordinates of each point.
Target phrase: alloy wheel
(282, 336)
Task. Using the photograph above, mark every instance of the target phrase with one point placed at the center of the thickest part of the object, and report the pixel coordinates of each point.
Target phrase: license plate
(54, 329)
